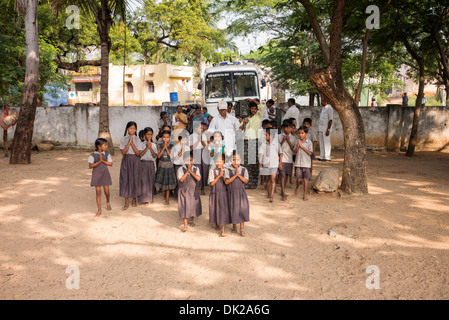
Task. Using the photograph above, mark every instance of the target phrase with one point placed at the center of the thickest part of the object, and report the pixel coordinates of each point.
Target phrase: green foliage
(13, 51)
(165, 29)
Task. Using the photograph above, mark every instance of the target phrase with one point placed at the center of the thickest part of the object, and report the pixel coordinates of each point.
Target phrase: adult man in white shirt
(226, 124)
(324, 130)
(292, 112)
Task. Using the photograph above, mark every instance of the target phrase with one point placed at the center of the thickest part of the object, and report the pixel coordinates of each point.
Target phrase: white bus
(231, 82)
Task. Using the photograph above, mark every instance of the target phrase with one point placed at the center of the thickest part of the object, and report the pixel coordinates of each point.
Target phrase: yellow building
(143, 84)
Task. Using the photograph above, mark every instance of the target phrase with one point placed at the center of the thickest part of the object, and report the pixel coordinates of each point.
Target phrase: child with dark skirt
(165, 175)
(148, 156)
(189, 201)
(197, 142)
(130, 180)
(236, 178)
(218, 198)
(99, 162)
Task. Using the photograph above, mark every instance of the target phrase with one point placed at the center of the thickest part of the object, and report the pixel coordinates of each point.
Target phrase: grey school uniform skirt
(147, 180)
(100, 176)
(238, 202)
(218, 203)
(130, 176)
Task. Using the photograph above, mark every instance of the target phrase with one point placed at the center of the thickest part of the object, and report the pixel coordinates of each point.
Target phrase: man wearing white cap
(226, 124)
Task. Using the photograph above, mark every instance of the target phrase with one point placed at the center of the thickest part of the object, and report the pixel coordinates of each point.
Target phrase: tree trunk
(417, 111)
(311, 98)
(354, 166)
(103, 128)
(358, 92)
(21, 148)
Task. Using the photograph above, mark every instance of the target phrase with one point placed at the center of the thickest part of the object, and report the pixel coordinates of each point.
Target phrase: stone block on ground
(327, 180)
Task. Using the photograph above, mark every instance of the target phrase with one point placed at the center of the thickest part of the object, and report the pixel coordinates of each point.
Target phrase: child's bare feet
(296, 190)
(108, 206)
(98, 213)
(242, 232)
(192, 224)
(185, 228)
(134, 203)
(166, 202)
(271, 199)
(284, 197)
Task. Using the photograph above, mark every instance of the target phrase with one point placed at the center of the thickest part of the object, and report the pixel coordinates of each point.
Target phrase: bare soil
(47, 224)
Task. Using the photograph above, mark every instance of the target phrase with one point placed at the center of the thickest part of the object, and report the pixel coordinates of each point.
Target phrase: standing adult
(324, 130)
(197, 116)
(252, 127)
(292, 111)
(226, 124)
(179, 122)
(405, 100)
(272, 113)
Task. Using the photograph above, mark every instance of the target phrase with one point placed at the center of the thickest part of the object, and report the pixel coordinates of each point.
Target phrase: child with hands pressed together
(287, 145)
(236, 178)
(303, 161)
(218, 199)
(197, 142)
(148, 156)
(99, 162)
(165, 175)
(270, 160)
(189, 201)
(130, 180)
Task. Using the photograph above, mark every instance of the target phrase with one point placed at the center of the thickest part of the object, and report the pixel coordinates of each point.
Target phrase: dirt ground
(47, 224)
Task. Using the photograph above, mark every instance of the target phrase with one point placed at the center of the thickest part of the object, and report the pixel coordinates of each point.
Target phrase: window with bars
(150, 86)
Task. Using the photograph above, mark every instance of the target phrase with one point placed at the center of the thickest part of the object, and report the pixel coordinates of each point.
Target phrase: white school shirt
(270, 117)
(92, 160)
(293, 112)
(176, 151)
(287, 152)
(303, 160)
(180, 172)
(327, 114)
(136, 141)
(194, 137)
(227, 126)
(148, 156)
(311, 135)
(270, 153)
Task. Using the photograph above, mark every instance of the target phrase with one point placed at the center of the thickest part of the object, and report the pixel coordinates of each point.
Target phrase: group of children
(193, 162)
(289, 156)
(181, 168)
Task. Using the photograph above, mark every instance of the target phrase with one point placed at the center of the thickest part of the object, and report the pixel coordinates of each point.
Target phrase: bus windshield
(231, 86)
(218, 87)
(245, 85)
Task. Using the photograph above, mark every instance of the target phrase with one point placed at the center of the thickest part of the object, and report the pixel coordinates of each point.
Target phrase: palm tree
(21, 149)
(105, 13)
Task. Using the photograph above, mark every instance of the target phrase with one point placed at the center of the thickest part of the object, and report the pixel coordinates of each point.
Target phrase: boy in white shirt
(303, 161)
(287, 145)
(270, 160)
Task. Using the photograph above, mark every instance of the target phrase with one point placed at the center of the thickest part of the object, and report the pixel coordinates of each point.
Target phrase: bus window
(218, 86)
(245, 84)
